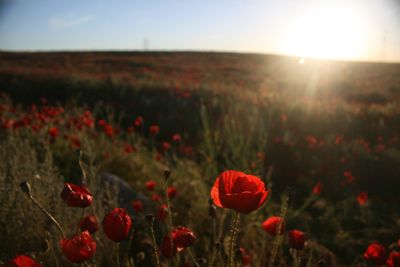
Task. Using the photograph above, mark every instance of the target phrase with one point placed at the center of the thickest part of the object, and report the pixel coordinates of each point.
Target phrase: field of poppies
(198, 159)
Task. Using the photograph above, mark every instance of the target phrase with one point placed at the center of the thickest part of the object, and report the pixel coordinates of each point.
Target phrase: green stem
(193, 258)
(48, 215)
(117, 252)
(232, 240)
(83, 214)
(169, 225)
(153, 239)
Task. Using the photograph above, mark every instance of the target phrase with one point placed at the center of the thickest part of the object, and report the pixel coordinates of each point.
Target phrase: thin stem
(232, 241)
(117, 252)
(83, 214)
(48, 215)
(212, 244)
(153, 239)
(193, 258)
(169, 225)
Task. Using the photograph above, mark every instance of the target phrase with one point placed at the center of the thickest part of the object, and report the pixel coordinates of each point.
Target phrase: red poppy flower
(167, 248)
(89, 223)
(183, 237)
(137, 205)
(156, 197)
(76, 196)
(53, 132)
(238, 191)
(102, 123)
(150, 185)
(245, 257)
(318, 188)
(138, 121)
(116, 224)
(176, 138)
(394, 259)
(362, 198)
(271, 225)
(297, 239)
(171, 192)
(375, 253)
(166, 146)
(154, 129)
(22, 261)
(79, 248)
(162, 212)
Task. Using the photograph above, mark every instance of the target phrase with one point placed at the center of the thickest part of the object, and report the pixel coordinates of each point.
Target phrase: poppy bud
(149, 218)
(375, 253)
(274, 225)
(79, 248)
(183, 237)
(297, 239)
(116, 224)
(26, 188)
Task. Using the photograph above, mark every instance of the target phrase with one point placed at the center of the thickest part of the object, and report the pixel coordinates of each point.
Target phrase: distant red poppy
(162, 212)
(274, 225)
(102, 123)
(176, 138)
(156, 197)
(166, 146)
(22, 261)
(171, 192)
(168, 249)
(183, 237)
(53, 132)
(137, 205)
(76, 195)
(138, 121)
(318, 188)
(238, 191)
(89, 223)
(79, 248)
(297, 239)
(362, 198)
(128, 149)
(394, 259)
(154, 129)
(245, 257)
(375, 253)
(150, 185)
(116, 224)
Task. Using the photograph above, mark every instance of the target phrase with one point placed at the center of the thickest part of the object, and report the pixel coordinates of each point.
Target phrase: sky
(367, 30)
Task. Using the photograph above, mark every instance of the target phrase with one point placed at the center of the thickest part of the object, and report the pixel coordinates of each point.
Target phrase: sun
(327, 31)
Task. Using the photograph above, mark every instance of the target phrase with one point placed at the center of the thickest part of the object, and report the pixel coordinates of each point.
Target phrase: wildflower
(375, 253)
(138, 121)
(183, 237)
(171, 192)
(297, 239)
(150, 185)
(154, 129)
(394, 259)
(166, 146)
(53, 132)
(22, 261)
(176, 138)
(116, 224)
(137, 205)
(76, 196)
(238, 191)
(318, 188)
(79, 248)
(245, 257)
(362, 198)
(156, 197)
(89, 223)
(274, 225)
(162, 212)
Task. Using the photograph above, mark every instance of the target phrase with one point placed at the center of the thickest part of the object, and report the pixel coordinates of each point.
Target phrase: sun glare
(333, 32)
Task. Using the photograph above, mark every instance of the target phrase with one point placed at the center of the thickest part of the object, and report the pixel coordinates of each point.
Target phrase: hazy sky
(298, 27)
